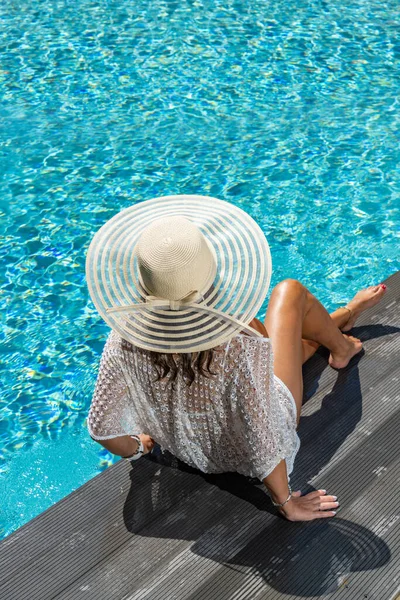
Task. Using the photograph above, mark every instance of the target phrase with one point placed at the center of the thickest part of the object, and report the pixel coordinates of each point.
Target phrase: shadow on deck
(161, 530)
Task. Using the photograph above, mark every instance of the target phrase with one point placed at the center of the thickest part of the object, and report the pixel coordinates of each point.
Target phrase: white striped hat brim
(241, 283)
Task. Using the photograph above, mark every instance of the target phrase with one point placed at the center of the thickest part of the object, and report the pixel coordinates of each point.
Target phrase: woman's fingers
(328, 505)
(323, 499)
(320, 496)
(321, 506)
(323, 515)
(316, 494)
(148, 442)
(296, 494)
(315, 505)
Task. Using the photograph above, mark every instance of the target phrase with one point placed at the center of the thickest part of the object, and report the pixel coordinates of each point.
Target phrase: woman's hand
(147, 441)
(315, 505)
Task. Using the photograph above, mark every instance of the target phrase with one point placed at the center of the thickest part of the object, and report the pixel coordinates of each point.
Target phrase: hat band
(186, 302)
(157, 302)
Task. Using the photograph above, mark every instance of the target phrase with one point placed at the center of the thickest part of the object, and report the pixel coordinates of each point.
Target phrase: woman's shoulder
(243, 341)
(243, 348)
(116, 345)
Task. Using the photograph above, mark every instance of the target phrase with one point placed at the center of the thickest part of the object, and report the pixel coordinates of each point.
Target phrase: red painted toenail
(383, 286)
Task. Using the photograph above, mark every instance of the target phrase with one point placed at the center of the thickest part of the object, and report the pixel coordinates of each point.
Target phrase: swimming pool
(289, 111)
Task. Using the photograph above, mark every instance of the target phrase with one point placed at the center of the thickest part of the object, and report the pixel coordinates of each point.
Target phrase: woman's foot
(339, 360)
(361, 301)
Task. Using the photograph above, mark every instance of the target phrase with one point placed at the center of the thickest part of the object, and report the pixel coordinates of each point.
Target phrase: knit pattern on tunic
(242, 419)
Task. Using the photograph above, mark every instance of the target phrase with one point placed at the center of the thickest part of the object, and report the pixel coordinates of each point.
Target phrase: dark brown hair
(166, 365)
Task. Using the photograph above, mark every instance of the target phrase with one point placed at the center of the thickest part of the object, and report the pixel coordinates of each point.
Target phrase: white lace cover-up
(243, 419)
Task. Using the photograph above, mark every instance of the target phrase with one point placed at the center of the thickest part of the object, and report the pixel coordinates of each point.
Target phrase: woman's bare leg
(343, 319)
(339, 317)
(293, 313)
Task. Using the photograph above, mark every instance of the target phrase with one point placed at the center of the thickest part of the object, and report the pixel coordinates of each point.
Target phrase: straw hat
(179, 273)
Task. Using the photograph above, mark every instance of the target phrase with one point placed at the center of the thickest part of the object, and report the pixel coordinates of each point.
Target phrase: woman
(179, 279)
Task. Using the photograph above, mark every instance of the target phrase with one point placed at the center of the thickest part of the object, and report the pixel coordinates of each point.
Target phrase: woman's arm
(277, 483)
(315, 505)
(125, 446)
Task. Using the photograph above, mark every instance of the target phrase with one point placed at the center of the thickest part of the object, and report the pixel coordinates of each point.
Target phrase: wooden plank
(338, 434)
(216, 519)
(70, 538)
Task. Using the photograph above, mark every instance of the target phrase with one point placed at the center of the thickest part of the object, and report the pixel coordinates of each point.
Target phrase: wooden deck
(153, 531)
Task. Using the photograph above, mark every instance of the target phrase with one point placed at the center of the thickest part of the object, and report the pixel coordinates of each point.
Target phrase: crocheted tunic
(242, 419)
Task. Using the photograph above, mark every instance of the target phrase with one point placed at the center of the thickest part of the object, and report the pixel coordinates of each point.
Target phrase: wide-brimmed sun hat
(179, 273)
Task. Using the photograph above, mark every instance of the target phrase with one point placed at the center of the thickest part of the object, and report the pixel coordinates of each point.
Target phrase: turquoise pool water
(289, 110)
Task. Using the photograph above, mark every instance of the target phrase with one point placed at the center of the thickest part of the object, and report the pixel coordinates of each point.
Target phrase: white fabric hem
(289, 393)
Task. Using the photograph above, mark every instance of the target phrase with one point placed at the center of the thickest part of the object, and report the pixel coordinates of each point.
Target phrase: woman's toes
(379, 292)
(364, 299)
(353, 339)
